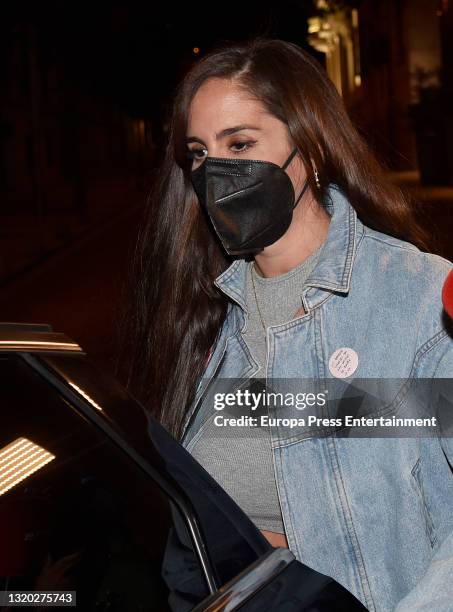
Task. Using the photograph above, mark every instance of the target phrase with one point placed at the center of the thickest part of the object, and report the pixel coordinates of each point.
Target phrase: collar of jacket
(333, 269)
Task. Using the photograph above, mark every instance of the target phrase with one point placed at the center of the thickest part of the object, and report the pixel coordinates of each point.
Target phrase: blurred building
(391, 61)
(68, 153)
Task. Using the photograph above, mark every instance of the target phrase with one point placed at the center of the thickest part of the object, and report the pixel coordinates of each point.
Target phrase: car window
(76, 513)
(232, 540)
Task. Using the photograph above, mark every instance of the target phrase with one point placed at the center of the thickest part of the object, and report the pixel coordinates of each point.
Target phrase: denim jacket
(376, 514)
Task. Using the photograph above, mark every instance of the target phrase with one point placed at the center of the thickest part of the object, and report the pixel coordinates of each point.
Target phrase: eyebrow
(225, 132)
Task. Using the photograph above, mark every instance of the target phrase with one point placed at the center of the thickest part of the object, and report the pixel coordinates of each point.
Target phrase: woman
(267, 191)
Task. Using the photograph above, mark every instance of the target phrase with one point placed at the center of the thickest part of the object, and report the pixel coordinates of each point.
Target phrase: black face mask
(250, 202)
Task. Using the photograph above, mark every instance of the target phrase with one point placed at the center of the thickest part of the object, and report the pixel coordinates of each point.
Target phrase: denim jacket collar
(333, 268)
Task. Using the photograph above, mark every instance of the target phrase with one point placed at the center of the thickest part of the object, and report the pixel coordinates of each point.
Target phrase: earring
(318, 184)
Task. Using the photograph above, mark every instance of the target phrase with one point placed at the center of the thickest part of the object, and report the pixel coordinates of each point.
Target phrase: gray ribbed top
(242, 461)
(279, 298)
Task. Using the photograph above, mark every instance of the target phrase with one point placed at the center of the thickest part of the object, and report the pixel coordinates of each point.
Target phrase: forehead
(220, 101)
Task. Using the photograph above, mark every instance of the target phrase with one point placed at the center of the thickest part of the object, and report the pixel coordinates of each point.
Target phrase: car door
(97, 499)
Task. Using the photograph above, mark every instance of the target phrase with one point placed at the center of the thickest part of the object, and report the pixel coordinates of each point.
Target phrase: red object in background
(447, 294)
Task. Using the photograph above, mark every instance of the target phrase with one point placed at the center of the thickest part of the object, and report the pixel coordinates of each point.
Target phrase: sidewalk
(77, 290)
(26, 242)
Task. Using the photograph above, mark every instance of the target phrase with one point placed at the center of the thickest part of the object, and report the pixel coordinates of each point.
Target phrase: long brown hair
(173, 312)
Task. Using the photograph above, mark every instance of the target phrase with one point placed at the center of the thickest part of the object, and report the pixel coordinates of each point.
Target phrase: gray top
(279, 298)
(239, 458)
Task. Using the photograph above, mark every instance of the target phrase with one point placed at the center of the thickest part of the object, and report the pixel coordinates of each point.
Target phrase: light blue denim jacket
(376, 514)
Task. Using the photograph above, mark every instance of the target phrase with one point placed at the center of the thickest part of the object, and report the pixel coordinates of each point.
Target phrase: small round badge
(343, 362)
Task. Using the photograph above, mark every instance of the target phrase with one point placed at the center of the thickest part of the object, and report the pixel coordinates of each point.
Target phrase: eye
(245, 145)
(196, 153)
(199, 153)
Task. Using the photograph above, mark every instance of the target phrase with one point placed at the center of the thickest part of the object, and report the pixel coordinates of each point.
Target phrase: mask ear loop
(304, 189)
(287, 162)
(285, 165)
